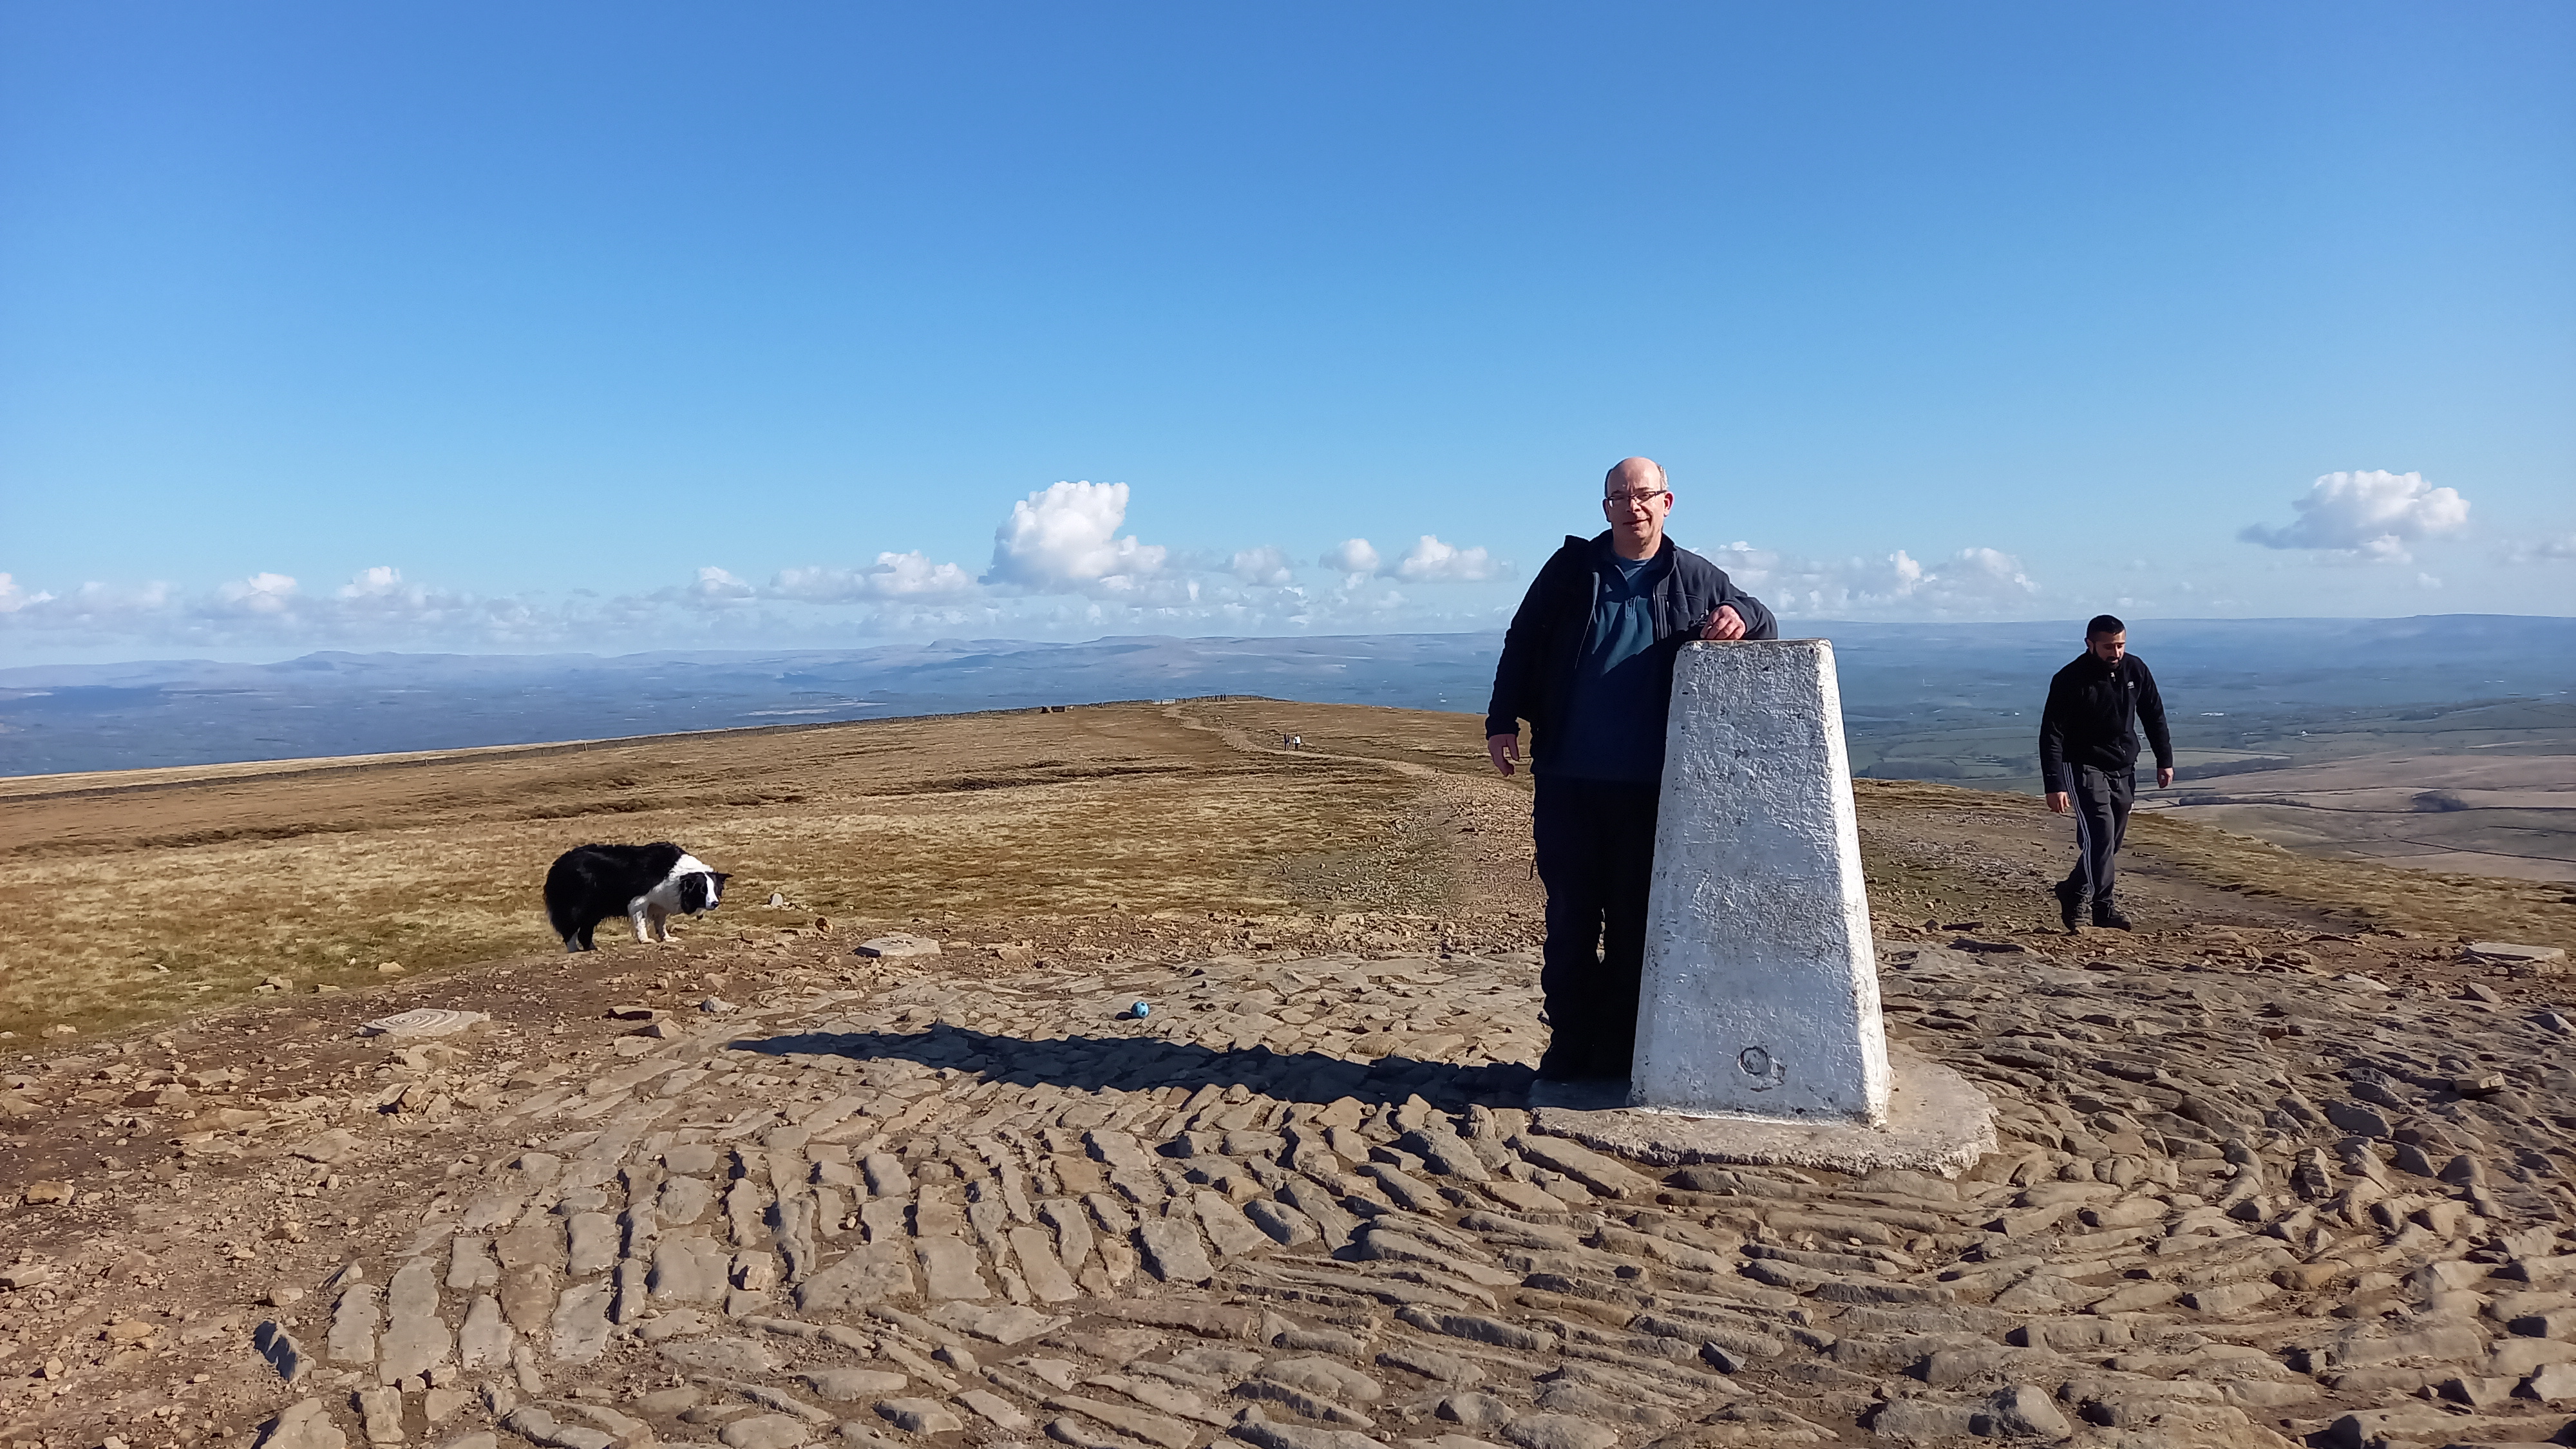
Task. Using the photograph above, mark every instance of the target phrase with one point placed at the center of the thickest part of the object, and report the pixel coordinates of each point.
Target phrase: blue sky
(634, 326)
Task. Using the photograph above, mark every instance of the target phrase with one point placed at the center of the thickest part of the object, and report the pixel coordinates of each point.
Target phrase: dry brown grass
(1984, 852)
(1185, 826)
(136, 904)
(2364, 893)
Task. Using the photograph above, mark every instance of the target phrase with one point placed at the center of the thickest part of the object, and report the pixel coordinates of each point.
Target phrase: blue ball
(1142, 1009)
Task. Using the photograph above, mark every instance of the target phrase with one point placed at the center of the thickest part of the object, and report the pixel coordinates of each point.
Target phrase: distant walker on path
(2088, 758)
(1588, 661)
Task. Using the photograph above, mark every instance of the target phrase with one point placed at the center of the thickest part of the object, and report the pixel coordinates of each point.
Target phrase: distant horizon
(256, 659)
(1982, 679)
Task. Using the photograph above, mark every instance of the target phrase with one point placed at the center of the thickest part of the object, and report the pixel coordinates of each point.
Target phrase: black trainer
(2109, 918)
(2070, 905)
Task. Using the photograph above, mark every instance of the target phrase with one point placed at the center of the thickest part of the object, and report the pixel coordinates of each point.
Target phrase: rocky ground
(2256, 1185)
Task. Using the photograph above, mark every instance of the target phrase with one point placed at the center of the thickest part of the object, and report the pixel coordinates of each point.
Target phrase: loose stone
(845, 1384)
(995, 1409)
(733, 1357)
(381, 1411)
(919, 1416)
(533, 1423)
(1298, 1436)
(765, 1431)
(1558, 1431)
(1474, 1410)
(305, 1424)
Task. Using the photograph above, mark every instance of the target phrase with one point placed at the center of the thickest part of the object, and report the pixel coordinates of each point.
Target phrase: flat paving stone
(919, 1416)
(950, 1269)
(845, 1384)
(1163, 1237)
(416, 1339)
(580, 1327)
(765, 1431)
(869, 1273)
(1557, 1431)
(353, 1326)
(1173, 1252)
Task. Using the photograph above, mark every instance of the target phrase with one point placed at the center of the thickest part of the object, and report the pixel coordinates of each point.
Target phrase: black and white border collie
(644, 883)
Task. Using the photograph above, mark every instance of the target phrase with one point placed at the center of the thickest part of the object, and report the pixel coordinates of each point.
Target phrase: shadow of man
(1130, 1064)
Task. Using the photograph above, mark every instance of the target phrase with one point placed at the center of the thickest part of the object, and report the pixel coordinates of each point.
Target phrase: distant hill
(1951, 701)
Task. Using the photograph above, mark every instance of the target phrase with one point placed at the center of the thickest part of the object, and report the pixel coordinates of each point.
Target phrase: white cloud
(382, 581)
(1352, 556)
(96, 604)
(378, 597)
(1264, 567)
(893, 576)
(1431, 561)
(1985, 571)
(717, 589)
(374, 607)
(2546, 550)
(262, 593)
(1970, 583)
(2368, 516)
(903, 596)
(1064, 539)
(13, 598)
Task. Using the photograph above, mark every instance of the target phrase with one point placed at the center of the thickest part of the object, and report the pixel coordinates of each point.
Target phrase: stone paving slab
(2224, 1208)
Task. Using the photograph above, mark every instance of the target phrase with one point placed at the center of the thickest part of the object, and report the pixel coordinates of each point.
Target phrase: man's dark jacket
(2088, 718)
(1544, 646)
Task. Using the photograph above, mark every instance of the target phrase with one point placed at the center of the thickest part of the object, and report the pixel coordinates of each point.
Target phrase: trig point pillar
(1761, 983)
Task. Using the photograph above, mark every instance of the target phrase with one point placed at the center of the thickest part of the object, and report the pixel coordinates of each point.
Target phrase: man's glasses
(1633, 500)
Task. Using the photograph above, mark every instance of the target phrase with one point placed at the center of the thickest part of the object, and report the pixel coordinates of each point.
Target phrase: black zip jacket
(2090, 713)
(1544, 645)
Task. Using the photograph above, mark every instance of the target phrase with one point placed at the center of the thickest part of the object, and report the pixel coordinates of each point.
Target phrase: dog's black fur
(644, 883)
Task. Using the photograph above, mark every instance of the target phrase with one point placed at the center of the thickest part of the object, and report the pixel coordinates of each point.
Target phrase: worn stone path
(2240, 1201)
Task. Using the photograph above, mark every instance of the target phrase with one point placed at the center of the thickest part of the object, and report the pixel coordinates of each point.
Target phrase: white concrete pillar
(1761, 983)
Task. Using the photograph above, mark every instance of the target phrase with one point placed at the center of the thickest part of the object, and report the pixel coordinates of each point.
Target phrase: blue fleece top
(1614, 724)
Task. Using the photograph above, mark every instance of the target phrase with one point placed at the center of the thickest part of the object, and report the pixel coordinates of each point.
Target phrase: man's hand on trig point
(1723, 623)
(1502, 750)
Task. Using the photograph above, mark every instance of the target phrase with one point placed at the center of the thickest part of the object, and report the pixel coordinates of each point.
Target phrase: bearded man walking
(1588, 661)
(2088, 759)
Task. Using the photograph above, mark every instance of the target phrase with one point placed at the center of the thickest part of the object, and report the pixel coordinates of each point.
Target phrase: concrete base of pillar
(1937, 1122)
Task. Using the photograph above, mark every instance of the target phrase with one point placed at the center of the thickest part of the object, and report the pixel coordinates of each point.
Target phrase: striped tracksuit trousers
(2101, 803)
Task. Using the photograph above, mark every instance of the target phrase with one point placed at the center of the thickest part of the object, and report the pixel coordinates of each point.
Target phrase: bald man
(1589, 663)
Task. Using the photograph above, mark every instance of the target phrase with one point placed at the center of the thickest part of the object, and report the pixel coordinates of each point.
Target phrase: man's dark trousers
(1596, 855)
(2101, 802)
